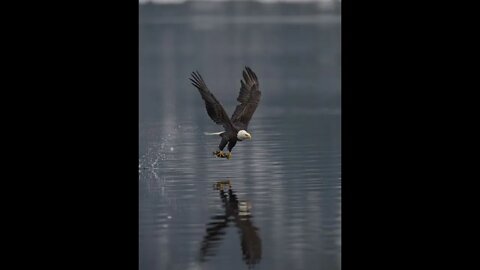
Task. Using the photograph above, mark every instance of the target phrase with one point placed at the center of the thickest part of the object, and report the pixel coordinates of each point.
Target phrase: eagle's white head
(244, 135)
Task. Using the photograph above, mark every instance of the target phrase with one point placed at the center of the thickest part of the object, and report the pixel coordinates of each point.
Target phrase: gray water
(289, 172)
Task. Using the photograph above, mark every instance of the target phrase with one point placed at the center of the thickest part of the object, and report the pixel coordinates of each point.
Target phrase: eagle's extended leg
(223, 143)
(231, 144)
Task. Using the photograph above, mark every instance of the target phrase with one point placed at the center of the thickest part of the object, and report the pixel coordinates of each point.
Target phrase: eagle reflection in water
(237, 212)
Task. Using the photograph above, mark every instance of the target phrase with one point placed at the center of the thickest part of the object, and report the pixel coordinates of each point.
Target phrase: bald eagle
(236, 126)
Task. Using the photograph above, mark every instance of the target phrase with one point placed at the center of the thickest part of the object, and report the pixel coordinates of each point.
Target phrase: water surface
(289, 172)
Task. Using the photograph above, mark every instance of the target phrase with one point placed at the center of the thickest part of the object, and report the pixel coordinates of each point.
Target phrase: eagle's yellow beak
(249, 136)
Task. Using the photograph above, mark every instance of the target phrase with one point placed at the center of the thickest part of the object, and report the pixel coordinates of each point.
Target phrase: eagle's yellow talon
(219, 153)
(222, 154)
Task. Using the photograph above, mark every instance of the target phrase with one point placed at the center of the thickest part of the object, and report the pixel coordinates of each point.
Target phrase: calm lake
(290, 172)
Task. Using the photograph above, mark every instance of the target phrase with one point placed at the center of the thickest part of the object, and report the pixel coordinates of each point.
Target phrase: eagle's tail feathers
(215, 133)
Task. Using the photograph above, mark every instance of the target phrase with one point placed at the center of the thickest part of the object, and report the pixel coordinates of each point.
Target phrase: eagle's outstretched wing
(248, 97)
(214, 109)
